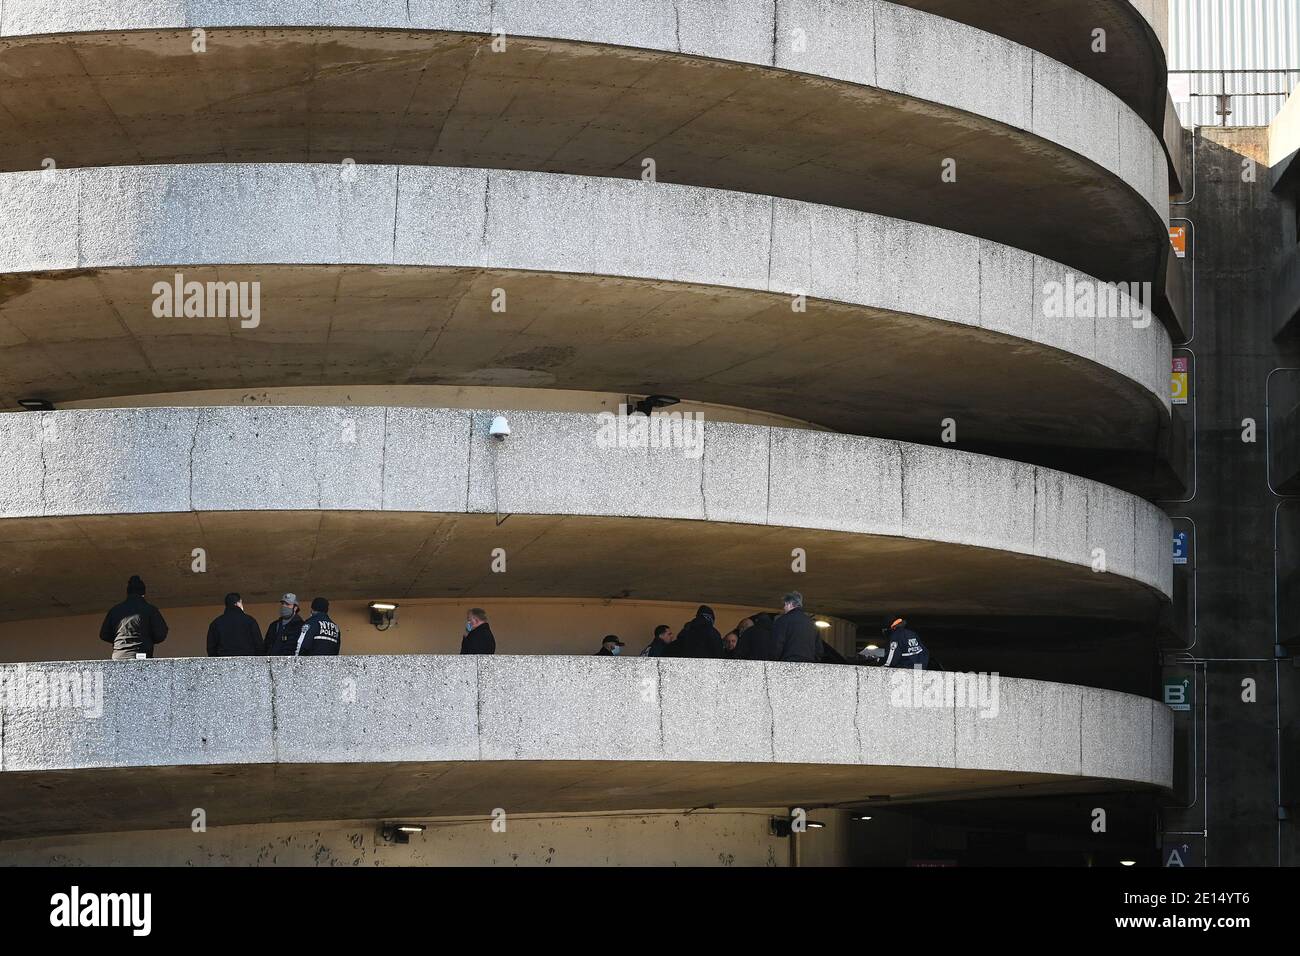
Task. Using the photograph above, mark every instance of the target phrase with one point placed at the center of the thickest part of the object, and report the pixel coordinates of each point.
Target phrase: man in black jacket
(698, 637)
(282, 633)
(134, 626)
(234, 633)
(663, 640)
(757, 642)
(320, 637)
(478, 637)
(795, 633)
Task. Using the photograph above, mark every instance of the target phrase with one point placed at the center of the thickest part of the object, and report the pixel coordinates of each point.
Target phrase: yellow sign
(1178, 386)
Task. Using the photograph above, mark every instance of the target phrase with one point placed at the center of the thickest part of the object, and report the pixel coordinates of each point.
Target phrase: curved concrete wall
(152, 216)
(161, 460)
(816, 729)
(866, 42)
(1132, 66)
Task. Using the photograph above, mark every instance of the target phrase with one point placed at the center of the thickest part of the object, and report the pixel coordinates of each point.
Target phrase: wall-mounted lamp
(784, 826)
(36, 404)
(650, 403)
(399, 832)
(382, 614)
(822, 624)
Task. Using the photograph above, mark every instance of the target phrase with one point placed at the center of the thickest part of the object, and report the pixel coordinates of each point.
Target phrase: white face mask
(615, 650)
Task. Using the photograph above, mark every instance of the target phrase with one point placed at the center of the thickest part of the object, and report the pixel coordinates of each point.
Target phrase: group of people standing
(135, 626)
(791, 636)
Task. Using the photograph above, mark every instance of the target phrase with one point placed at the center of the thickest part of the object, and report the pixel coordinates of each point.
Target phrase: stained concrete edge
(318, 214)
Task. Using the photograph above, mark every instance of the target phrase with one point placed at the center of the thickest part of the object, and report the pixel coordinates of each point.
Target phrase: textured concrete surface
(684, 733)
(1133, 66)
(697, 304)
(358, 460)
(581, 92)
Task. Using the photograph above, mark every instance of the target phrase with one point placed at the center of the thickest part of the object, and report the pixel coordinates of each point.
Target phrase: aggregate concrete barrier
(657, 732)
(115, 463)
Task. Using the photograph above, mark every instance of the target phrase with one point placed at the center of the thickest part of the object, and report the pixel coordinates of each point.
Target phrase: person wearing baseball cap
(610, 647)
(282, 633)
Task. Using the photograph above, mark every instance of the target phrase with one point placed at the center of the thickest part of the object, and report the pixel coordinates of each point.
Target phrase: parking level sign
(1178, 384)
(1175, 694)
(1180, 547)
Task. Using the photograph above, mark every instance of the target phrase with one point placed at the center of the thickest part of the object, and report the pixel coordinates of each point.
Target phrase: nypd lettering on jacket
(320, 637)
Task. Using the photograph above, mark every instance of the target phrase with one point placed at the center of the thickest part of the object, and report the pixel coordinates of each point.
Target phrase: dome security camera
(500, 428)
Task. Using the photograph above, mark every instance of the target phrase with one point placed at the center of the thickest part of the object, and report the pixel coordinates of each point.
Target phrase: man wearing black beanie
(134, 626)
(320, 636)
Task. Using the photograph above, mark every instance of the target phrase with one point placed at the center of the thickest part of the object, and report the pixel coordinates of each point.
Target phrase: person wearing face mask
(478, 637)
(611, 647)
(282, 633)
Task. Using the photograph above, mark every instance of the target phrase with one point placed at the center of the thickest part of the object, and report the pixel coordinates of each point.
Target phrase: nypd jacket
(320, 637)
(906, 650)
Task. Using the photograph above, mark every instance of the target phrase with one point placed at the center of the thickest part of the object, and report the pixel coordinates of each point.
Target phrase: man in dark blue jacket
(320, 636)
(282, 633)
(905, 647)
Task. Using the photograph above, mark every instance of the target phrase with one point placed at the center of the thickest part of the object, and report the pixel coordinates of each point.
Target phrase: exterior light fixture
(784, 826)
(36, 404)
(822, 624)
(382, 614)
(1128, 862)
(500, 428)
(860, 817)
(399, 832)
(648, 404)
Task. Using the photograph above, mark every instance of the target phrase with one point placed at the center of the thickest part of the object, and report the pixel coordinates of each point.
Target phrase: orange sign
(1178, 239)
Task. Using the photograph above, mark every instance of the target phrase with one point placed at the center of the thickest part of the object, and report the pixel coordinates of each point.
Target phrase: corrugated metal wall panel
(1254, 35)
